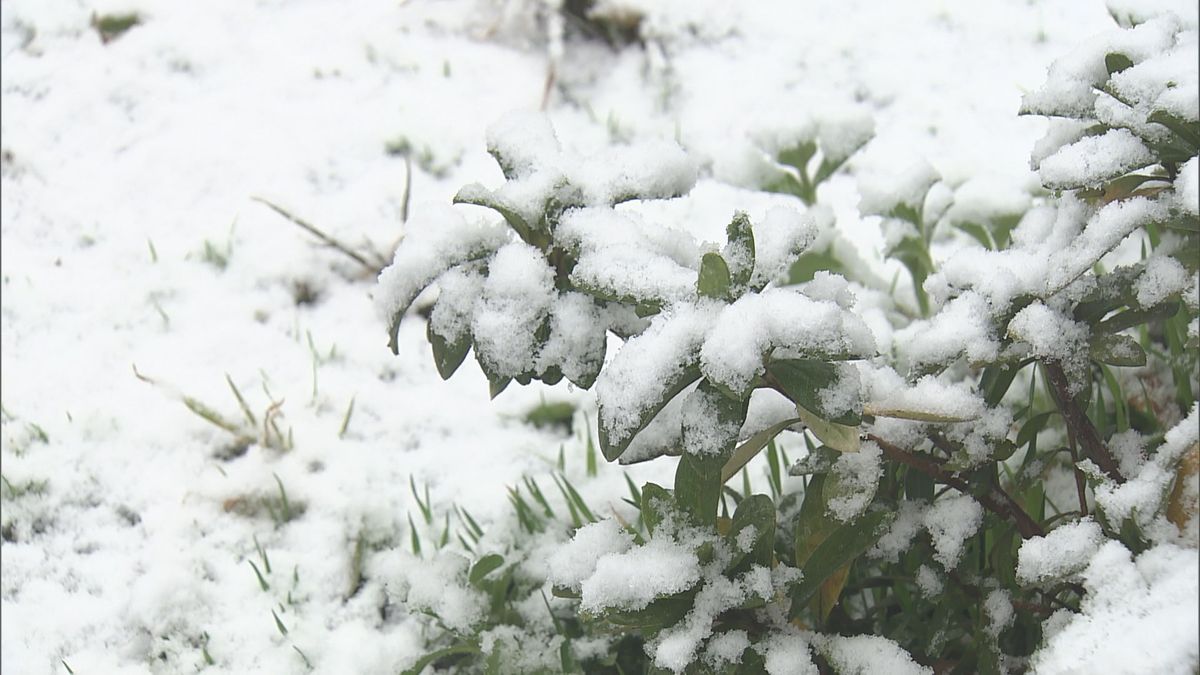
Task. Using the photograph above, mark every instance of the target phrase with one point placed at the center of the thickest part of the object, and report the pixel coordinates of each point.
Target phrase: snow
(778, 319)
(1049, 334)
(856, 476)
(883, 194)
(574, 563)
(1093, 160)
(901, 533)
(127, 164)
(998, 609)
(1187, 187)
(952, 520)
(1059, 555)
(640, 374)
(1132, 619)
(438, 586)
(437, 238)
(517, 295)
(927, 399)
(786, 654)
(706, 431)
(1164, 277)
(631, 579)
(865, 654)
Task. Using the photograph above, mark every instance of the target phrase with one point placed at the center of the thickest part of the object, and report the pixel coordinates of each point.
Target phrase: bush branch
(995, 500)
(1078, 424)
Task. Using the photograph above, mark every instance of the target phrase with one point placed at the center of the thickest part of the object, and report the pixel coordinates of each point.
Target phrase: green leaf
(477, 195)
(811, 262)
(837, 436)
(819, 460)
(698, 486)
(1115, 62)
(447, 356)
(996, 380)
(423, 662)
(1134, 317)
(740, 250)
(1187, 131)
(1116, 349)
(713, 281)
(656, 501)
(659, 614)
(483, 567)
(803, 379)
(753, 445)
(840, 548)
(978, 232)
(686, 375)
(758, 512)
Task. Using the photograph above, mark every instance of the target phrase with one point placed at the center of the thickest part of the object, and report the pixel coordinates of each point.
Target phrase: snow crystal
(980, 437)
(438, 585)
(1049, 334)
(755, 325)
(866, 655)
(1063, 552)
(781, 236)
(844, 130)
(704, 430)
(726, 648)
(1073, 80)
(1107, 228)
(909, 521)
(828, 286)
(857, 477)
(882, 195)
(639, 375)
(522, 142)
(929, 398)
(1187, 187)
(1164, 277)
(630, 580)
(1130, 13)
(1166, 82)
(652, 169)
(522, 651)
(577, 337)
(786, 654)
(962, 326)
(843, 395)
(437, 238)
(574, 562)
(928, 581)
(998, 608)
(459, 291)
(1093, 160)
(517, 295)
(1141, 497)
(1059, 133)
(664, 433)
(623, 256)
(1134, 617)
(984, 199)
(951, 520)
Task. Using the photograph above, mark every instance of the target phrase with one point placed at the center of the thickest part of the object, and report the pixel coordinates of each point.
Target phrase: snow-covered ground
(138, 269)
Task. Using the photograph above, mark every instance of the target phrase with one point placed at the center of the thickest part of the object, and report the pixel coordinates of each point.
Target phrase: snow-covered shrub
(978, 472)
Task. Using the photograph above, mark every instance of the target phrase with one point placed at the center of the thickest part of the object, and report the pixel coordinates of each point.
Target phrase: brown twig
(996, 500)
(1078, 423)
